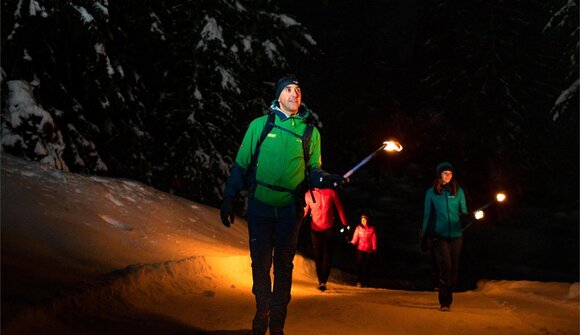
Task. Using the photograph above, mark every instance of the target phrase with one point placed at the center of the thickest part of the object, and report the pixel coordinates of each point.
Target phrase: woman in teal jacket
(444, 206)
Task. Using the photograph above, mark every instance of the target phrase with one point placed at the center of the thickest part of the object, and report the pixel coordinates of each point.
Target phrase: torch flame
(479, 215)
(393, 146)
(500, 197)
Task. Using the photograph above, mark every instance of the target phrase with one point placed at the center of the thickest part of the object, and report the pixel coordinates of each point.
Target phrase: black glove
(465, 219)
(332, 181)
(227, 211)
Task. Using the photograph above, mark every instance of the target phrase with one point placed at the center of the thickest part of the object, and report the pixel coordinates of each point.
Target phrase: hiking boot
(445, 309)
(260, 323)
(322, 287)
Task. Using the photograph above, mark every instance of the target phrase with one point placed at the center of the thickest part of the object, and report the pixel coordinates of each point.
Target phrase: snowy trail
(85, 255)
(186, 297)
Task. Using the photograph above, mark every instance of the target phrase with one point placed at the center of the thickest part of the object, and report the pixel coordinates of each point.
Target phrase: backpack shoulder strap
(250, 176)
(267, 129)
(306, 152)
(306, 141)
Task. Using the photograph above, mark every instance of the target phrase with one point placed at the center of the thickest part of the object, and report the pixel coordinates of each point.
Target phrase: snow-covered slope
(92, 255)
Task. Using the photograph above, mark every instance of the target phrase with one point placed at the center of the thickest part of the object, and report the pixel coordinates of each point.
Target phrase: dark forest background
(148, 90)
(162, 91)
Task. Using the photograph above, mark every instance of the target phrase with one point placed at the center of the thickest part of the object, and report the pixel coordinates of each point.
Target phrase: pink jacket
(322, 211)
(365, 239)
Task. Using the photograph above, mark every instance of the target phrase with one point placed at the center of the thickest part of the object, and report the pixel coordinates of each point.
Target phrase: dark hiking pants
(322, 248)
(363, 268)
(447, 253)
(273, 239)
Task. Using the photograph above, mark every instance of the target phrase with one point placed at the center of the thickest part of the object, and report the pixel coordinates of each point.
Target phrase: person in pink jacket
(365, 240)
(322, 228)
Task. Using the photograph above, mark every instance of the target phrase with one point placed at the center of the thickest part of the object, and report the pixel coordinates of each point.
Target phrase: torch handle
(467, 226)
(482, 208)
(485, 206)
(363, 162)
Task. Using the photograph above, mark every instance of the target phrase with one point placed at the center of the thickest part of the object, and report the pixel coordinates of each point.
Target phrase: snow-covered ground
(92, 255)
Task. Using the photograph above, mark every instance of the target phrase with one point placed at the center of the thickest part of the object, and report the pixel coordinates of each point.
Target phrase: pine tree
(81, 78)
(562, 131)
(488, 80)
(220, 58)
(563, 26)
(158, 91)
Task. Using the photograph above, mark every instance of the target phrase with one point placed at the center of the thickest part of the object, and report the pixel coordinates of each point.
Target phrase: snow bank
(93, 255)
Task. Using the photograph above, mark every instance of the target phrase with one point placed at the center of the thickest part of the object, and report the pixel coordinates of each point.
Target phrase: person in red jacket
(365, 240)
(322, 228)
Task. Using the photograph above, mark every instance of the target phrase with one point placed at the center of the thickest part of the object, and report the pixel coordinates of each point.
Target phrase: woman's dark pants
(447, 253)
(322, 247)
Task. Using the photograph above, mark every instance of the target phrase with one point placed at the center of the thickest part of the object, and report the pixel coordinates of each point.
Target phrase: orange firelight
(392, 146)
(500, 197)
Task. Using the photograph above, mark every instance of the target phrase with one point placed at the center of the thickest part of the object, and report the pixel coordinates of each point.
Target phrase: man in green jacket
(274, 180)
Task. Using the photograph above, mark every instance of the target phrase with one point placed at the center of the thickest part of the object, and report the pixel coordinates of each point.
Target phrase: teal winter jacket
(442, 213)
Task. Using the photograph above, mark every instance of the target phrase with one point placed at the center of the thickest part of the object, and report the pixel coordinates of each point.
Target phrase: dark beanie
(283, 82)
(443, 166)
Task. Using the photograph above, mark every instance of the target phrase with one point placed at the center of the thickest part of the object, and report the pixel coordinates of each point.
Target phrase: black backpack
(251, 171)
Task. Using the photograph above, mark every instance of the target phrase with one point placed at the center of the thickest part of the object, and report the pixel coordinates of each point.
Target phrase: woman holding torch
(444, 206)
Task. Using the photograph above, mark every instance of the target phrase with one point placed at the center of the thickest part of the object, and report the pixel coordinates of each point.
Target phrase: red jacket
(322, 211)
(365, 239)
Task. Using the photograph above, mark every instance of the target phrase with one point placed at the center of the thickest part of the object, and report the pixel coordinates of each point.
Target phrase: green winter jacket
(442, 213)
(280, 162)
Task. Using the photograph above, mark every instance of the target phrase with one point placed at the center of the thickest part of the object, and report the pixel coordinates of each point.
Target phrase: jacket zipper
(448, 217)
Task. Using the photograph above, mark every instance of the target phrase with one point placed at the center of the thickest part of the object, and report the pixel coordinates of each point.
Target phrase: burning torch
(389, 146)
(478, 214)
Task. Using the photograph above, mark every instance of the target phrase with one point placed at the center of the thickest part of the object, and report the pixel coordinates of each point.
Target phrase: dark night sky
(365, 69)
(370, 71)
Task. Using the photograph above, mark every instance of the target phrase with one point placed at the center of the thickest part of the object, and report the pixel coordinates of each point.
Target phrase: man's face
(290, 99)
